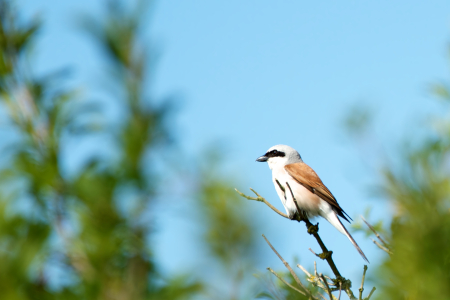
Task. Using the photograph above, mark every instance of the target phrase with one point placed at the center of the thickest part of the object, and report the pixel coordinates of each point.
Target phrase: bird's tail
(334, 220)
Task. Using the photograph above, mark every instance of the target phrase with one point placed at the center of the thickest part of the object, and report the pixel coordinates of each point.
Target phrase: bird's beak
(262, 158)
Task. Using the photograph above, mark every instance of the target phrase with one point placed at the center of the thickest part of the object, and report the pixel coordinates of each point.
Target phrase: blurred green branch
(74, 224)
(228, 234)
(385, 247)
(416, 185)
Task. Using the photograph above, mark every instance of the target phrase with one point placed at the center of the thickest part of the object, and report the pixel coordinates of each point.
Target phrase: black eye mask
(275, 153)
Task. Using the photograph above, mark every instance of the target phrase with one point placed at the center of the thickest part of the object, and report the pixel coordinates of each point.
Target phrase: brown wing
(306, 176)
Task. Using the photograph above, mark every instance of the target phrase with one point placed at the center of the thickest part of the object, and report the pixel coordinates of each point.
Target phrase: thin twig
(381, 247)
(327, 286)
(340, 289)
(280, 186)
(361, 289)
(315, 280)
(304, 270)
(323, 297)
(376, 234)
(285, 282)
(288, 267)
(314, 252)
(261, 199)
(349, 292)
(371, 292)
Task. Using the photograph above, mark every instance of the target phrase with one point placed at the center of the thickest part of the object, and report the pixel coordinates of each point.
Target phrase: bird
(293, 178)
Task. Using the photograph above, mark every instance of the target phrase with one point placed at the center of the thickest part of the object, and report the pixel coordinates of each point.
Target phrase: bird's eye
(275, 153)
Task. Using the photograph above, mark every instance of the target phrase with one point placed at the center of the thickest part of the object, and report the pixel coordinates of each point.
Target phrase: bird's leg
(281, 187)
(313, 230)
(294, 216)
(301, 214)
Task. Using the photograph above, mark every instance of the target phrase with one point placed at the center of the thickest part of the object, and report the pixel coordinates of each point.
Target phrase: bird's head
(279, 156)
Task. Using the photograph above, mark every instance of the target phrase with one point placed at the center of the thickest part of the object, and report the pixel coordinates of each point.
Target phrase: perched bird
(293, 178)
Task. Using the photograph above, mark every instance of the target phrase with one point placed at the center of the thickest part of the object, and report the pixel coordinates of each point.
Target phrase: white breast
(307, 201)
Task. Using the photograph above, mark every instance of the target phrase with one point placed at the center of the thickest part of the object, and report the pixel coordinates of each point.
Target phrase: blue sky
(253, 74)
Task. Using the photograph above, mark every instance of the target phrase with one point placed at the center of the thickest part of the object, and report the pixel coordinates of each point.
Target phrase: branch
(327, 286)
(381, 247)
(297, 280)
(285, 282)
(313, 279)
(316, 280)
(386, 246)
(261, 199)
(371, 292)
(339, 283)
(361, 289)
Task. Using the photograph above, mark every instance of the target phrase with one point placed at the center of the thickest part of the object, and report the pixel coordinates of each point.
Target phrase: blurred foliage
(420, 228)
(65, 237)
(417, 186)
(87, 235)
(230, 234)
(357, 120)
